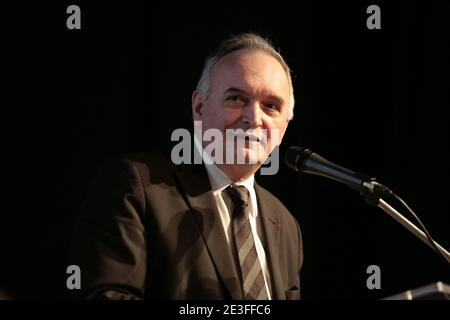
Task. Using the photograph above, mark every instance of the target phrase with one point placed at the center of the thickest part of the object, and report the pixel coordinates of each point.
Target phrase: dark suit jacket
(151, 229)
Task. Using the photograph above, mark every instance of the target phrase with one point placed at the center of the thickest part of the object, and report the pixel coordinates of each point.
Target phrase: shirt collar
(218, 179)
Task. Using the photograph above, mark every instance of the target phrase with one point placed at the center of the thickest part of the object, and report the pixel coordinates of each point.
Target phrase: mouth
(250, 138)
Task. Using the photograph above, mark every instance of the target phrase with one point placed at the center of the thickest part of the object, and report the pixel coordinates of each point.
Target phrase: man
(153, 229)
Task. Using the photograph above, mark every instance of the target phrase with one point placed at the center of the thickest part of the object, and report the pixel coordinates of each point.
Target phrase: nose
(252, 115)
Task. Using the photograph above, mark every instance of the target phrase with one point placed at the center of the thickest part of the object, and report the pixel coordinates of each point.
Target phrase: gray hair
(250, 41)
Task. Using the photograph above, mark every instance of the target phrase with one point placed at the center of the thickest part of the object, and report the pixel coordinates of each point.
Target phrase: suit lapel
(271, 227)
(197, 191)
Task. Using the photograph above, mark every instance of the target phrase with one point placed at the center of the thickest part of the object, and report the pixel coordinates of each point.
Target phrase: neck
(238, 173)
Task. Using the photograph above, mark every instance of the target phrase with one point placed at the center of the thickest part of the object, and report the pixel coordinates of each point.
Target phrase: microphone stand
(375, 200)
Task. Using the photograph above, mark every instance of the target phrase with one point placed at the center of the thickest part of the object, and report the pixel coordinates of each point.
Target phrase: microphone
(305, 161)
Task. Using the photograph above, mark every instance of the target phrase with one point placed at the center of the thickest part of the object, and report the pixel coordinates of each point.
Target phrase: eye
(236, 101)
(234, 98)
(272, 106)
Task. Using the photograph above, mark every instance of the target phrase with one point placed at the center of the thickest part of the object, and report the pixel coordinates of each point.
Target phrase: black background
(375, 101)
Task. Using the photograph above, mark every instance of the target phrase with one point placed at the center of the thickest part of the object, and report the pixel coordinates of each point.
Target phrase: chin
(251, 156)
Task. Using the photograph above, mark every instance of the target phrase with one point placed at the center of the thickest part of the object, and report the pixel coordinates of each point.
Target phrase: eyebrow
(277, 98)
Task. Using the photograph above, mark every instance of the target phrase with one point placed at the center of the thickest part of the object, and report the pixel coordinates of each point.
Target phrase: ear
(197, 105)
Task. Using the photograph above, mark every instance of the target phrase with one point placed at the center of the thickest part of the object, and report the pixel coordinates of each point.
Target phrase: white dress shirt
(219, 182)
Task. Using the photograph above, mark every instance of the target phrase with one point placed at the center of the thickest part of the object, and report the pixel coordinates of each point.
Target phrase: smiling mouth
(250, 139)
(253, 139)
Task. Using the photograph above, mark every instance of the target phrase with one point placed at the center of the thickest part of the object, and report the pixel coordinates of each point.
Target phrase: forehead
(251, 71)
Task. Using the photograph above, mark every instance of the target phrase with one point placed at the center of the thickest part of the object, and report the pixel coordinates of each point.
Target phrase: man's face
(248, 90)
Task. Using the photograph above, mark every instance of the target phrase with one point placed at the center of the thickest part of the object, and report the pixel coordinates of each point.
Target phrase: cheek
(283, 128)
(210, 115)
(232, 118)
(225, 118)
(275, 132)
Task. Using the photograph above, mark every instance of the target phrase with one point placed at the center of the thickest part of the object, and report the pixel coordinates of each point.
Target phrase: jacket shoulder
(275, 203)
(149, 167)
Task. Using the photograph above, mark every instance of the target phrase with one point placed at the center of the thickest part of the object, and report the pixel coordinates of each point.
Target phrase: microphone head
(295, 156)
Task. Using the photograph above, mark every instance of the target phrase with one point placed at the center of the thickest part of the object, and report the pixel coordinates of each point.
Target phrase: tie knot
(239, 195)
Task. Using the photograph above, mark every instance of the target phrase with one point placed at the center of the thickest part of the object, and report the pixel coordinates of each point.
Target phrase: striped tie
(252, 275)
